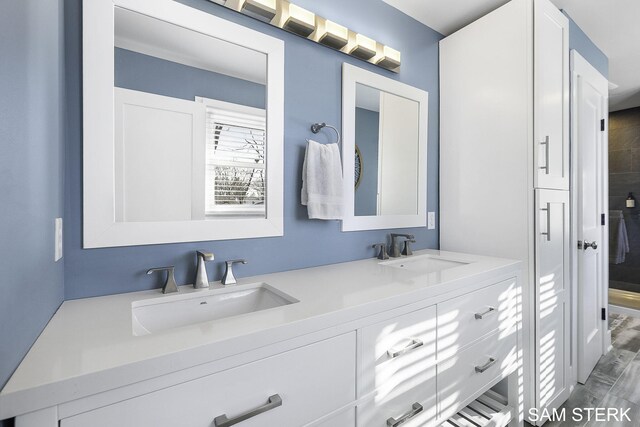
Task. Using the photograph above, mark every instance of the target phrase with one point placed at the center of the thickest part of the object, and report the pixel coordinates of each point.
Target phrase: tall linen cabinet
(504, 170)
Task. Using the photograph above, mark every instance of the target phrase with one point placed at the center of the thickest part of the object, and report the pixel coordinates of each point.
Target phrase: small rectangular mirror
(385, 128)
(183, 126)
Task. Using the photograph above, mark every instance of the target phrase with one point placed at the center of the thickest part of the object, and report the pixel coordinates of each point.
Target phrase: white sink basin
(423, 264)
(167, 312)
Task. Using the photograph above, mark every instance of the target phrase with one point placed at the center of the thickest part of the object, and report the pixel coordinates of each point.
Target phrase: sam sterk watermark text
(580, 414)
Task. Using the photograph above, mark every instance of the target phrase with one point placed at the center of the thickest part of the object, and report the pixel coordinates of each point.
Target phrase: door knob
(586, 245)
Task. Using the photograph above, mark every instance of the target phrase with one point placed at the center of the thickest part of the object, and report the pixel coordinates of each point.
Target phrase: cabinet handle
(546, 155)
(490, 363)
(223, 421)
(415, 343)
(548, 211)
(490, 310)
(415, 410)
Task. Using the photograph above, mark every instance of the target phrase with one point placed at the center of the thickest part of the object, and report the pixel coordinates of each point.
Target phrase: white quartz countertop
(89, 346)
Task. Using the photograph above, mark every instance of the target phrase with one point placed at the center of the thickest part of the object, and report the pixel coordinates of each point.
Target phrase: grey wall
(624, 177)
(579, 41)
(31, 172)
(312, 94)
(145, 73)
(367, 139)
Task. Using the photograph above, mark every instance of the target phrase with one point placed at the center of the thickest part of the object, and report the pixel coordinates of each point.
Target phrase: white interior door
(552, 327)
(589, 140)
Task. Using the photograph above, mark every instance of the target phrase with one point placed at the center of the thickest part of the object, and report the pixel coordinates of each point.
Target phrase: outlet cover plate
(58, 237)
(431, 221)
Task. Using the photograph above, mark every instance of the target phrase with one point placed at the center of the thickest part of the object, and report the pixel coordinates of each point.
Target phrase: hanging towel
(322, 181)
(618, 238)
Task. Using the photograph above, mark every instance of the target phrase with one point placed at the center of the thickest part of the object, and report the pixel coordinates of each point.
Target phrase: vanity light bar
(300, 21)
(264, 10)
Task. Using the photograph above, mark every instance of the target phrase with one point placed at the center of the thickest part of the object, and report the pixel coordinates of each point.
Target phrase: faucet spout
(202, 280)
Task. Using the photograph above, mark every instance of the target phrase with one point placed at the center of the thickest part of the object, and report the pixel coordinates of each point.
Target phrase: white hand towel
(322, 181)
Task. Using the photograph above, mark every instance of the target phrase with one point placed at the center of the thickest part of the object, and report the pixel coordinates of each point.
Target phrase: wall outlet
(431, 221)
(58, 233)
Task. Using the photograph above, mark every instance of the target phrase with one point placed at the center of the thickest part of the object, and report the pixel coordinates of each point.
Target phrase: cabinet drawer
(469, 317)
(417, 407)
(398, 354)
(472, 370)
(310, 381)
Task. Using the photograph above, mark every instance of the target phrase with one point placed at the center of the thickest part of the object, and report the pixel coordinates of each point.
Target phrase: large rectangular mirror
(183, 126)
(384, 152)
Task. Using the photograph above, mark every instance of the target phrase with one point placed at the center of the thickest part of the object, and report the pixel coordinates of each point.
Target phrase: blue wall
(31, 172)
(312, 93)
(367, 138)
(579, 41)
(145, 73)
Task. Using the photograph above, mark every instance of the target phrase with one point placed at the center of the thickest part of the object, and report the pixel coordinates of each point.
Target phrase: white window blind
(235, 162)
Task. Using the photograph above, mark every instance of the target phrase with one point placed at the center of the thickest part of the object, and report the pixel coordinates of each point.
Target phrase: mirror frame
(100, 227)
(351, 76)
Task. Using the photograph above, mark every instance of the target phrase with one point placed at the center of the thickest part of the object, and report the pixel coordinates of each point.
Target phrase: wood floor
(615, 381)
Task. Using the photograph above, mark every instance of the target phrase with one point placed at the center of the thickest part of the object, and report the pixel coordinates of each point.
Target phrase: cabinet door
(551, 96)
(551, 299)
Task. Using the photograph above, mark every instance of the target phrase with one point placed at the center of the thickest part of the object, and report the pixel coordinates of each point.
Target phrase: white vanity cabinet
(416, 358)
(504, 169)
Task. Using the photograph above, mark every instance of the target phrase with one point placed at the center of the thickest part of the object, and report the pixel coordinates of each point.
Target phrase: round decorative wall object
(358, 167)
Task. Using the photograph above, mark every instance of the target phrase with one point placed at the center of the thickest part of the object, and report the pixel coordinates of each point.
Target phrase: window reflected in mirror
(190, 124)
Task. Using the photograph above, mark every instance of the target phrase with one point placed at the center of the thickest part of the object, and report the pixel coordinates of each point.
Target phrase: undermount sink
(423, 264)
(168, 312)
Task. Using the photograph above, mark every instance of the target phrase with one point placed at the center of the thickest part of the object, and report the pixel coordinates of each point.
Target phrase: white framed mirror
(384, 152)
(183, 126)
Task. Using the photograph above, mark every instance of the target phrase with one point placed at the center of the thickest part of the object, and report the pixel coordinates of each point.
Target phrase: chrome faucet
(229, 278)
(395, 250)
(202, 281)
(170, 285)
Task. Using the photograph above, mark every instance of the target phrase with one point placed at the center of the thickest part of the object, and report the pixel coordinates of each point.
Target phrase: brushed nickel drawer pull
(546, 155)
(548, 211)
(415, 343)
(480, 316)
(223, 421)
(415, 410)
(490, 363)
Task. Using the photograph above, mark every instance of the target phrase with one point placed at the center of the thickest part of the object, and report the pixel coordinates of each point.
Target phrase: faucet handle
(170, 284)
(383, 250)
(229, 278)
(407, 247)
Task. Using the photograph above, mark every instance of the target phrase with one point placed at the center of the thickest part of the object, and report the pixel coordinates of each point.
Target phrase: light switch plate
(431, 221)
(58, 234)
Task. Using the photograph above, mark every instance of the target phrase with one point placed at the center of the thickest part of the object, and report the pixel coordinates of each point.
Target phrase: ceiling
(613, 25)
(143, 34)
